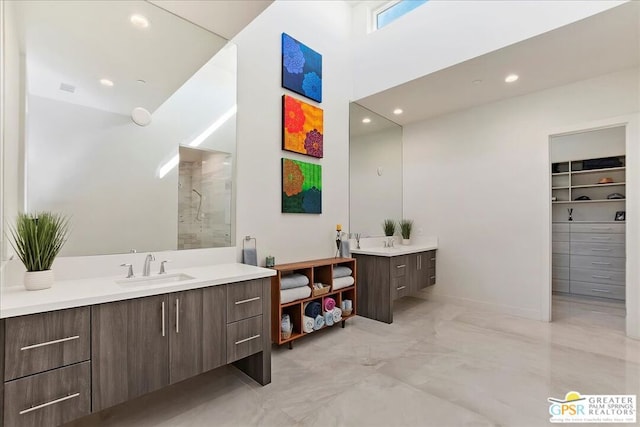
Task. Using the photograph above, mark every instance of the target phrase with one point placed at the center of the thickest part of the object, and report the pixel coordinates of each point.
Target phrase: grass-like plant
(389, 227)
(37, 238)
(405, 228)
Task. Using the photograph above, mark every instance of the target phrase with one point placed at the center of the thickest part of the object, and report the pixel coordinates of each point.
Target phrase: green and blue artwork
(301, 187)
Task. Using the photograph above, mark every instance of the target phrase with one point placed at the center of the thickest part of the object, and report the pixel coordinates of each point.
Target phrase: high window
(394, 10)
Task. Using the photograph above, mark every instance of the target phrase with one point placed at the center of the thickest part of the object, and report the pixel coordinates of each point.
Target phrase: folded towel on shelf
(312, 308)
(318, 322)
(250, 256)
(337, 315)
(341, 271)
(307, 324)
(329, 304)
(294, 280)
(343, 282)
(328, 318)
(289, 295)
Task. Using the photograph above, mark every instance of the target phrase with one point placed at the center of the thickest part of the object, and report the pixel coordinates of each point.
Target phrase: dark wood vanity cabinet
(384, 279)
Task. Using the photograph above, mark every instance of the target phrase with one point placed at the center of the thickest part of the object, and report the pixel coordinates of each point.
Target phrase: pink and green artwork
(301, 187)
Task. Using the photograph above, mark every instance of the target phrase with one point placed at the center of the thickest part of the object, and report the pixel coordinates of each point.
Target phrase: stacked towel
(295, 280)
(307, 324)
(341, 271)
(329, 304)
(312, 309)
(337, 315)
(318, 322)
(289, 295)
(328, 318)
(343, 282)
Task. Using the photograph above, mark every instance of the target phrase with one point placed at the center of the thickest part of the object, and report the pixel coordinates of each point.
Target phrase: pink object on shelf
(329, 304)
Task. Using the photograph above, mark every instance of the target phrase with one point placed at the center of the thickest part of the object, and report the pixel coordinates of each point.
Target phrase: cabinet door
(129, 348)
(185, 335)
(214, 329)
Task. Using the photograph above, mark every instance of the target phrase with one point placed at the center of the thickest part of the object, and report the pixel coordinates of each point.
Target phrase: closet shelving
(572, 181)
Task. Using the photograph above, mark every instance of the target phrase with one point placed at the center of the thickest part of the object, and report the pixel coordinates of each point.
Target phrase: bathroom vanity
(386, 274)
(85, 345)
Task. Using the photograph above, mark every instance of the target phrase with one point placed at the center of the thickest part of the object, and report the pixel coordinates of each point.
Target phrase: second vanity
(85, 345)
(386, 274)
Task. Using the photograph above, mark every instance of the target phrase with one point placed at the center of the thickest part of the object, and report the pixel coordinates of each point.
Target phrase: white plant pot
(406, 241)
(37, 280)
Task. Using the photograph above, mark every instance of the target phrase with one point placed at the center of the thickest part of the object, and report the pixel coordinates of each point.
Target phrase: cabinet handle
(433, 277)
(600, 238)
(601, 290)
(244, 301)
(401, 266)
(248, 339)
(42, 344)
(600, 250)
(163, 332)
(419, 262)
(401, 288)
(600, 263)
(601, 228)
(177, 315)
(433, 259)
(600, 277)
(53, 402)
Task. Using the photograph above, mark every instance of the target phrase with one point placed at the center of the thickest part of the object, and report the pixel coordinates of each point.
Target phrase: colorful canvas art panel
(301, 187)
(301, 68)
(302, 127)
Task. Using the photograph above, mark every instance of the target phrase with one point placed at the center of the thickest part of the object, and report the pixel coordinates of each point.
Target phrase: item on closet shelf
(312, 309)
(620, 216)
(570, 210)
(602, 163)
(307, 324)
(294, 280)
(582, 198)
(288, 295)
(318, 323)
(343, 282)
(320, 289)
(250, 255)
(329, 304)
(328, 318)
(615, 196)
(337, 315)
(554, 198)
(341, 271)
(606, 180)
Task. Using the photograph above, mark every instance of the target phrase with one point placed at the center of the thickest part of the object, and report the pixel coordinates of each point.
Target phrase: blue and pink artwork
(301, 68)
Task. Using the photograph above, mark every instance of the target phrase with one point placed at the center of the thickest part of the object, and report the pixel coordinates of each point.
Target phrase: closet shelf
(601, 170)
(588, 201)
(612, 184)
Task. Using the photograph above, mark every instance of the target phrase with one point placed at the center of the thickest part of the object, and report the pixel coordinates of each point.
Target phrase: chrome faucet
(147, 264)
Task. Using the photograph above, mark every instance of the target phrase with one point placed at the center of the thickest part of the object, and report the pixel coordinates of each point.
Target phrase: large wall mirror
(375, 171)
(129, 125)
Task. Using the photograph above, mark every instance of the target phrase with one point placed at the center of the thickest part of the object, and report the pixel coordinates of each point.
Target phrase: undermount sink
(155, 280)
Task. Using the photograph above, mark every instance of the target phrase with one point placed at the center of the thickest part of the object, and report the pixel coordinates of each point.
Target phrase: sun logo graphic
(577, 408)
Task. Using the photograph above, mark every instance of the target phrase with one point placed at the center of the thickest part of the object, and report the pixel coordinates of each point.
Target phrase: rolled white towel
(328, 318)
(343, 282)
(307, 324)
(288, 295)
(337, 315)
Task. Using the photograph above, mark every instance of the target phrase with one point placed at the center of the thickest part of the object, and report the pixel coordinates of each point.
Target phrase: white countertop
(17, 301)
(396, 250)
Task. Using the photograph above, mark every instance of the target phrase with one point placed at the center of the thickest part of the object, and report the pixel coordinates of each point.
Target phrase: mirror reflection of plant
(405, 228)
(389, 227)
(37, 238)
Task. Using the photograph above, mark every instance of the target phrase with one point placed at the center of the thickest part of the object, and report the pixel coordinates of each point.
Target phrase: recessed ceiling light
(511, 78)
(139, 21)
(366, 120)
(141, 81)
(397, 111)
(106, 82)
(476, 81)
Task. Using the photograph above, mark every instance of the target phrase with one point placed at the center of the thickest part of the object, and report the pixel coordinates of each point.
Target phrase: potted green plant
(37, 240)
(389, 228)
(405, 229)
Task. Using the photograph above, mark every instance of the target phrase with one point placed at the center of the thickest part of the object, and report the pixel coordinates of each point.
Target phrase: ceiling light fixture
(106, 82)
(511, 78)
(476, 81)
(397, 111)
(366, 120)
(139, 21)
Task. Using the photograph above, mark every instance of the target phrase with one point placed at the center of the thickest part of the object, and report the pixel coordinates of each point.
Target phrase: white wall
(479, 180)
(324, 27)
(442, 33)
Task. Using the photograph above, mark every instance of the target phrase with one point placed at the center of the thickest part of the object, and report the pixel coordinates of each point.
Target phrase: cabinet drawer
(559, 285)
(39, 342)
(561, 237)
(597, 228)
(560, 228)
(399, 266)
(560, 247)
(597, 262)
(560, 260)
(560, 273)
(597, 237)
(599, 276)
(597, 249)
(598, 290)
(48, 399)
(431, 278)
(430, 258)
(244, 300)
(399, 288)
(244, 338)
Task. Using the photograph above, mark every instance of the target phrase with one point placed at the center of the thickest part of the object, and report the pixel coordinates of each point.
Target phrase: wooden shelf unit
(319, 270)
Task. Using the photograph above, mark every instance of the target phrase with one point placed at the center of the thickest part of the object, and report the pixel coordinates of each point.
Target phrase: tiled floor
(436, 365)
